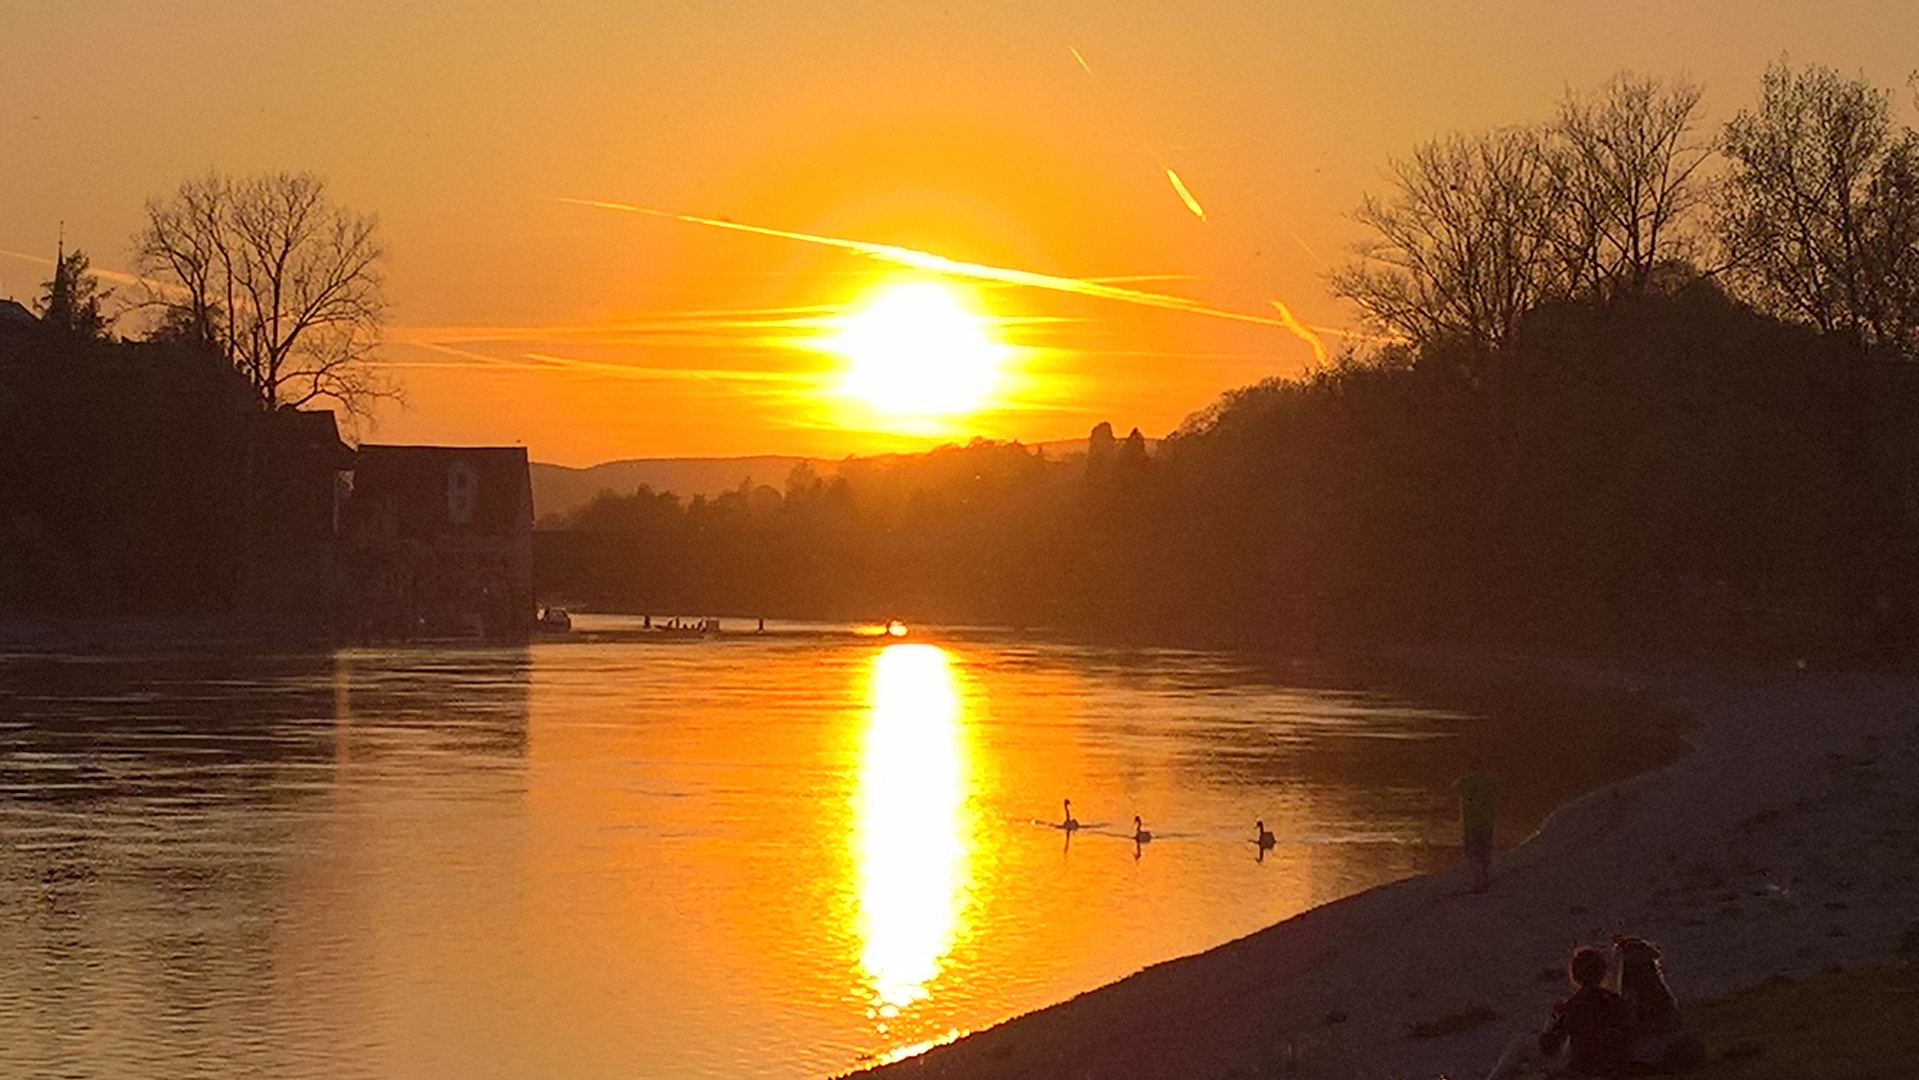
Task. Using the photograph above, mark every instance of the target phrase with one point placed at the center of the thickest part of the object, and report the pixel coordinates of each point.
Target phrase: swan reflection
(910, 837)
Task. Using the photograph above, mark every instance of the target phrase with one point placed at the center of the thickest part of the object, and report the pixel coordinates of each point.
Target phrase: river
(781, 855)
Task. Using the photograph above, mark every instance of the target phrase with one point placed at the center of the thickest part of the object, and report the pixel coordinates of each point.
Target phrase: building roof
(312, 434)
(434, 490)
(14, 313)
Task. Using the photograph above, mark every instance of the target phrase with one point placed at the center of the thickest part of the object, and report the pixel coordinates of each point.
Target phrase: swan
(1266, 839)
(1140, 835)
(1069, 824)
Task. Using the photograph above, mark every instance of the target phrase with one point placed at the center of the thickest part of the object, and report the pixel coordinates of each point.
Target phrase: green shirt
(1476, 801)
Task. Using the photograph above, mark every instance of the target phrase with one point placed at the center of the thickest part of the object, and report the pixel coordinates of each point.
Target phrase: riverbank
(1784, 844)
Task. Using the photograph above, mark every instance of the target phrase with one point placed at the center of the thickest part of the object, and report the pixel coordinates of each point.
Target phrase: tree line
(1641, 389)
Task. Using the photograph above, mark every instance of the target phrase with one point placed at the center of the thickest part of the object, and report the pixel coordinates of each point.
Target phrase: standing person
(1476, 808)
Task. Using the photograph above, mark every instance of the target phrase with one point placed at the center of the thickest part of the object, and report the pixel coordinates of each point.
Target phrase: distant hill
(560, 489)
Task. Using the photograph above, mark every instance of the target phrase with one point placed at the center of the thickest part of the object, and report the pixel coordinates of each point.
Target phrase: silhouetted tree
(71, 300)
(803, 480)
(1462, 249)
(1100, 443)
(1133, 449)
(1627, 182)
(270, 272)
(1820, 210)
(1481, 229)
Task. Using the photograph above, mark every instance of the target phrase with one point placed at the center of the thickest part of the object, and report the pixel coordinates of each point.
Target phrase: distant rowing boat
(699, 628)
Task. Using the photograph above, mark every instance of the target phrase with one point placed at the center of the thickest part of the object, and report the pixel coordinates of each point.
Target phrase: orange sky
(966, 129)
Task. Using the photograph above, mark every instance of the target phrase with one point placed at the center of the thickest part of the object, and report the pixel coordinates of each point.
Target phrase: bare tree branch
(1629, 182)
(284, 283)
(1461, 250)
(1480, 229)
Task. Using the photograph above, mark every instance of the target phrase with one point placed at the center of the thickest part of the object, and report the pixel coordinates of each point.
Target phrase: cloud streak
(929, 262)
(1186, 196)
(777, 383)
(116, 276)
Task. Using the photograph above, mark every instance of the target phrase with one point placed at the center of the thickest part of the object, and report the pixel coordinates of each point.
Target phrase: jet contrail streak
(1308, 249)
(1179, 186)
(940, 264)
(631, 371)
(117, 276)
(534, 361)
(1186, 196)
(1302, 332)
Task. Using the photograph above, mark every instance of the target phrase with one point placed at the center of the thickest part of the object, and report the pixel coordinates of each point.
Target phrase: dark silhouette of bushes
(119, 475)
(960, 534)
(1661, 472)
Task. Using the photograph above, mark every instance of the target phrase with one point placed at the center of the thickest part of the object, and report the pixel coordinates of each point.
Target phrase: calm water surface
(776, 856)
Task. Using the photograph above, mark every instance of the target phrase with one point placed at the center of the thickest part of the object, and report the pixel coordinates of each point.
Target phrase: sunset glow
(917, 353)
(579, 539)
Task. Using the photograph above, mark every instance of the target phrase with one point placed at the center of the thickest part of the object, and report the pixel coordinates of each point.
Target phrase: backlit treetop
(1819, 213)
(284, 283)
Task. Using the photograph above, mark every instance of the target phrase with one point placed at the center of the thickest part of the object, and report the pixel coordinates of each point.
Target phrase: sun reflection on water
(910, 840)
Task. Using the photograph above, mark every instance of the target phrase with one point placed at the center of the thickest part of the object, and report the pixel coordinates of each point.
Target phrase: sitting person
(1660, 1042)
(1594, 1021)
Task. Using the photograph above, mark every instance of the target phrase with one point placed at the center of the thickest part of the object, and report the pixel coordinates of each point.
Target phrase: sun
(918, 350)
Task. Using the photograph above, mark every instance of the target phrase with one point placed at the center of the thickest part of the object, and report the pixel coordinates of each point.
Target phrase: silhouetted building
(439, 542)
(14, 313)
(299, 467)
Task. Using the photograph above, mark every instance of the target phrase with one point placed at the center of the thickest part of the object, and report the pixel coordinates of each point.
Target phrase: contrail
(1308, 249)
(116, 276)
(1302, 331)
(1186, 196)
(538, 361)
(1179, 186)
(1108, 279)
(940, 264)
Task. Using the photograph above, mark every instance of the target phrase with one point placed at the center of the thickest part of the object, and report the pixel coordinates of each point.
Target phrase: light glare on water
(911, 836)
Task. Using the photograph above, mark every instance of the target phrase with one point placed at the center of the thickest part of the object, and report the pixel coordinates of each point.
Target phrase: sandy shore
(1787, 841)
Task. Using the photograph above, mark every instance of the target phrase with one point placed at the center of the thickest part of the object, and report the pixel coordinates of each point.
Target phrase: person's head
(1636, 952)
(1586, 967)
